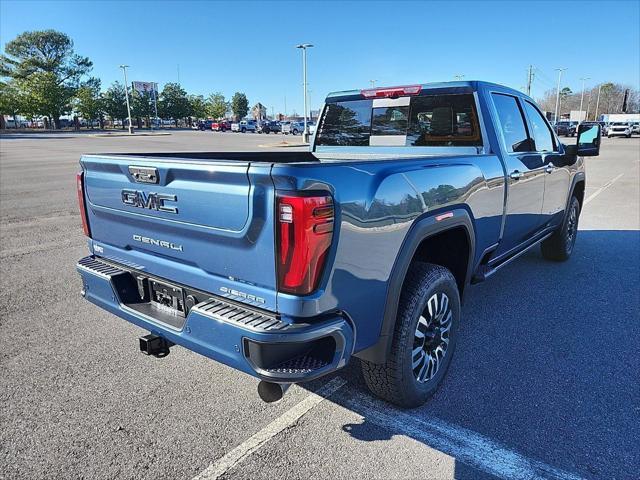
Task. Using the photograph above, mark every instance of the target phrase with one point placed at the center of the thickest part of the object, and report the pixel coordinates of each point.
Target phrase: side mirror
(589, 137)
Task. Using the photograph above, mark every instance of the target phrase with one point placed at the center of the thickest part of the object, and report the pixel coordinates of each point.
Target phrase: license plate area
(167, 298)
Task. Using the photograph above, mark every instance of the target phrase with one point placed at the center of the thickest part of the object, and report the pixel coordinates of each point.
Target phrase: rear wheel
(559, 246)
(244, 130)
(424, 338)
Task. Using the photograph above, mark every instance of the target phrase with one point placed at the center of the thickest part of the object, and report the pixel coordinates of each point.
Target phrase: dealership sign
(150, 88)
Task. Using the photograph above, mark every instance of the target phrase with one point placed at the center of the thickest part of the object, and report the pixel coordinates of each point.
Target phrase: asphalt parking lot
(545, 382)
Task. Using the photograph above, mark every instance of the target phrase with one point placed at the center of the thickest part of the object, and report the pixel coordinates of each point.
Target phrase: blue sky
(249, 46)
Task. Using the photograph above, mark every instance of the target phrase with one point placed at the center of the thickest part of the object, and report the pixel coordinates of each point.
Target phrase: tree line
(611, 100)
(43, 77)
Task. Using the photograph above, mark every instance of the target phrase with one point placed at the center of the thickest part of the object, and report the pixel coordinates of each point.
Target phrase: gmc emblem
(152, 201)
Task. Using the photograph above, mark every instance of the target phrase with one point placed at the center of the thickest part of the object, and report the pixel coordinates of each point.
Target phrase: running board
(486, 271)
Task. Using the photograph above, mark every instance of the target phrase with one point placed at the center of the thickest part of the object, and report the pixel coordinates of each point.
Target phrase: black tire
(397, 380)
(295, 132)
(244, 130)
(559, 246)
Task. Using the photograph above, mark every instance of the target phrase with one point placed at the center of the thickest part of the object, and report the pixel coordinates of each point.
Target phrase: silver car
(619, 129)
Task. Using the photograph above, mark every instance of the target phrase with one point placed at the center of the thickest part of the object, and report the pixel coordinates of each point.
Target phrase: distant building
(259, 111)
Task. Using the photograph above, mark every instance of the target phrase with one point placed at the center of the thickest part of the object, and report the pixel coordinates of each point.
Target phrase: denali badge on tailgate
(152, 201)
(157, 243)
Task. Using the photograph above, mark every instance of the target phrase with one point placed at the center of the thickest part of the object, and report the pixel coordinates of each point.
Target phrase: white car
(244, 126)
(619, 129)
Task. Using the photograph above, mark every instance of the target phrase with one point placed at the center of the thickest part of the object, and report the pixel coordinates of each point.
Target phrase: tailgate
(203, 224)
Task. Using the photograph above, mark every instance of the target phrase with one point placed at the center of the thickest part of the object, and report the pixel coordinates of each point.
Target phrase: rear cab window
(436, 119)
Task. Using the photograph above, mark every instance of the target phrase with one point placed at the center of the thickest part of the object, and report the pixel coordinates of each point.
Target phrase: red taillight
(387, 92)
(83, 210)
(305, 229)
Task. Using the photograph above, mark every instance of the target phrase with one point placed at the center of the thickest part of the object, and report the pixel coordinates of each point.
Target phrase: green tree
(239, 105)
(115, 102)
(174, 102)
(142, 106)
(89, 101)
(217, 105)
(42, 94)
(46, 69)
(198, 106)
(10, 101)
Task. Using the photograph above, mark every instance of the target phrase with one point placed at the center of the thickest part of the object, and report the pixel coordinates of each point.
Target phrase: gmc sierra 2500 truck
(285, 265)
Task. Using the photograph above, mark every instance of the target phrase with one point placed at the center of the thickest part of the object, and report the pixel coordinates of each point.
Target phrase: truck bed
(266, 157)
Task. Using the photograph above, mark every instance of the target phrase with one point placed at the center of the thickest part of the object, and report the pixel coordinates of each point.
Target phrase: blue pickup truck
(285, 265)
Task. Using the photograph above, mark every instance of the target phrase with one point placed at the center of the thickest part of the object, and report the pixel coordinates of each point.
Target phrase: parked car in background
(312, 127)
(269, 127)
(221, 126)
(203, 125)
(619, 129)
(567, 129)
(635, 128)
(244, 126)
(293, 128)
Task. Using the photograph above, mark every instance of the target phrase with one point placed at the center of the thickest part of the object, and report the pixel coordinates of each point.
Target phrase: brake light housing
(81, 203)
(391, 92)
(304, 234)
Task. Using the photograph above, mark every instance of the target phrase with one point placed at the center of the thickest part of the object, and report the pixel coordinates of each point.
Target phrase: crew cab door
(525, 173)
(558, 176)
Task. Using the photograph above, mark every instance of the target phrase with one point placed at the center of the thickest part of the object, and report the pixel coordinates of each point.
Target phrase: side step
(485, 271)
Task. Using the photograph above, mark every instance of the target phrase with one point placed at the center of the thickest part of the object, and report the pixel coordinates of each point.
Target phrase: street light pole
(303, 47)
(598, 102)
(559, 70)
(126, 93)
(582, 95)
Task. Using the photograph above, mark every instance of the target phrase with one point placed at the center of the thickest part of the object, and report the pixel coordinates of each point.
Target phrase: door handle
(515, 175)
(550, 168)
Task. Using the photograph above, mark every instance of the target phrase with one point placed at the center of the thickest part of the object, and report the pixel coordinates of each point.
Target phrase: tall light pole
(598, 102)
(303, 47)
(126, 93)
(458, 77)
(559, 70)
(373, 83)
(582, 95)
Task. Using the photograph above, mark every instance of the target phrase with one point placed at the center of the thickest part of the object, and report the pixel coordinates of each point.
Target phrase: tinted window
(511, 123)
(443, 120)
(389, 121)
(429, 120)
(345, 123)
(541, 133)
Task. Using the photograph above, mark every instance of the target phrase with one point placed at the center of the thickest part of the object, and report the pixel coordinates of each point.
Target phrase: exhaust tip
(272, 392)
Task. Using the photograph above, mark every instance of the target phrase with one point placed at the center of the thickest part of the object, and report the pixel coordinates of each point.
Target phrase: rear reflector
(389, 92)
(304, 233)
(81, 204)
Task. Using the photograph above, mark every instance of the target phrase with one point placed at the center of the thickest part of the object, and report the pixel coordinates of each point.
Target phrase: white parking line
(468, 447)
(602, 189)
(289, 418)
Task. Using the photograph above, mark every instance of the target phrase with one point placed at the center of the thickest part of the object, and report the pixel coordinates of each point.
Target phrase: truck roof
(461, 86)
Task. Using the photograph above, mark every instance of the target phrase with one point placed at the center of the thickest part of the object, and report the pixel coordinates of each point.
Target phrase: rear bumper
(256, 342)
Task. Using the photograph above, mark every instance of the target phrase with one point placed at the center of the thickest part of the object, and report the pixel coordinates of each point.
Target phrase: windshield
(426, 120)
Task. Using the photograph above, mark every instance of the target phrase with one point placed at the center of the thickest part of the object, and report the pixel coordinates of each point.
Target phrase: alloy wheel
(431, 338)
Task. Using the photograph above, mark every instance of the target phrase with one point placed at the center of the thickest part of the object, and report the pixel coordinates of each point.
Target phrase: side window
(512, 123)
(539, 129)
